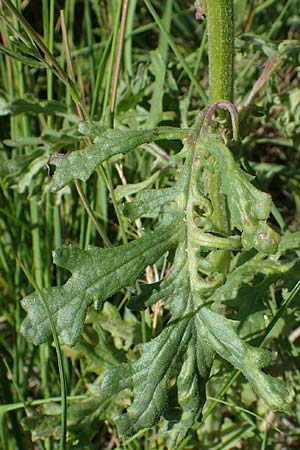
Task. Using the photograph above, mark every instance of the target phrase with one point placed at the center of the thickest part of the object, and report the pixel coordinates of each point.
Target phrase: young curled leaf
(248, 206)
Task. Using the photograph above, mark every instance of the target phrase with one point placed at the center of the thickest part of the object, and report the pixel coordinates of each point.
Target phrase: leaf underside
(168, 380)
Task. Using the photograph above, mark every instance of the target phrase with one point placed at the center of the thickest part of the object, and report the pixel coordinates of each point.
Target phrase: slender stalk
(100, 75)
(118, 58)
(41, 45)
(109, 81)
(90, 41)
(220, 28)
(131, 14)
(61, 370)
(91, 215)
(112, 83)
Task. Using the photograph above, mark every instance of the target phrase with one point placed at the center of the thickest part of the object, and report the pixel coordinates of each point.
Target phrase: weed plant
(167, 315)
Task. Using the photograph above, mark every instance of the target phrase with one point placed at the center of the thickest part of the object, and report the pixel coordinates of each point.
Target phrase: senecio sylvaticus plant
(214, 228)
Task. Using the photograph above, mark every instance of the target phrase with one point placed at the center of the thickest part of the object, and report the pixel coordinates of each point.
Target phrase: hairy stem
(220, 28)
(221, 49)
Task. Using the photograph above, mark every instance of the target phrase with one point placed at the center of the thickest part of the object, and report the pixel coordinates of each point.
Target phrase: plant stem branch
(220, 28)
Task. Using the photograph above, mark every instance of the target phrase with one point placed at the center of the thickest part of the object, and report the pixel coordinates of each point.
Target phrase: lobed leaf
(178, 352)
(151, 376)
(112, 269)
(107, 143)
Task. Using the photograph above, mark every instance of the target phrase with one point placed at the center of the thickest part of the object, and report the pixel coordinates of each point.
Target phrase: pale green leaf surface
(22, 170)
(107, 143)
(221, 336)
(289, 241)
(158, 69)
(124, 331)
(33, 106)
(148, 201)
(57, 139)
(83, 418)
(244, 274)
(102, 355)
(23, 141)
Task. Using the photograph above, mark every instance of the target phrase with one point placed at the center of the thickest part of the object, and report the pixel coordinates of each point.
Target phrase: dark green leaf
(33, 106)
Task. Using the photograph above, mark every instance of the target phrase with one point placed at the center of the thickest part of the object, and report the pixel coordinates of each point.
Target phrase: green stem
(220, 28)
(91, 215)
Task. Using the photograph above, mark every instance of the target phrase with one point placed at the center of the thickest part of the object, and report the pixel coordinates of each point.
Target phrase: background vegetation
(163, 80)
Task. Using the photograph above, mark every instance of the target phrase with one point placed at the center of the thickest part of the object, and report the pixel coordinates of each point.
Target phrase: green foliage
(194, 303)
(185, 348)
